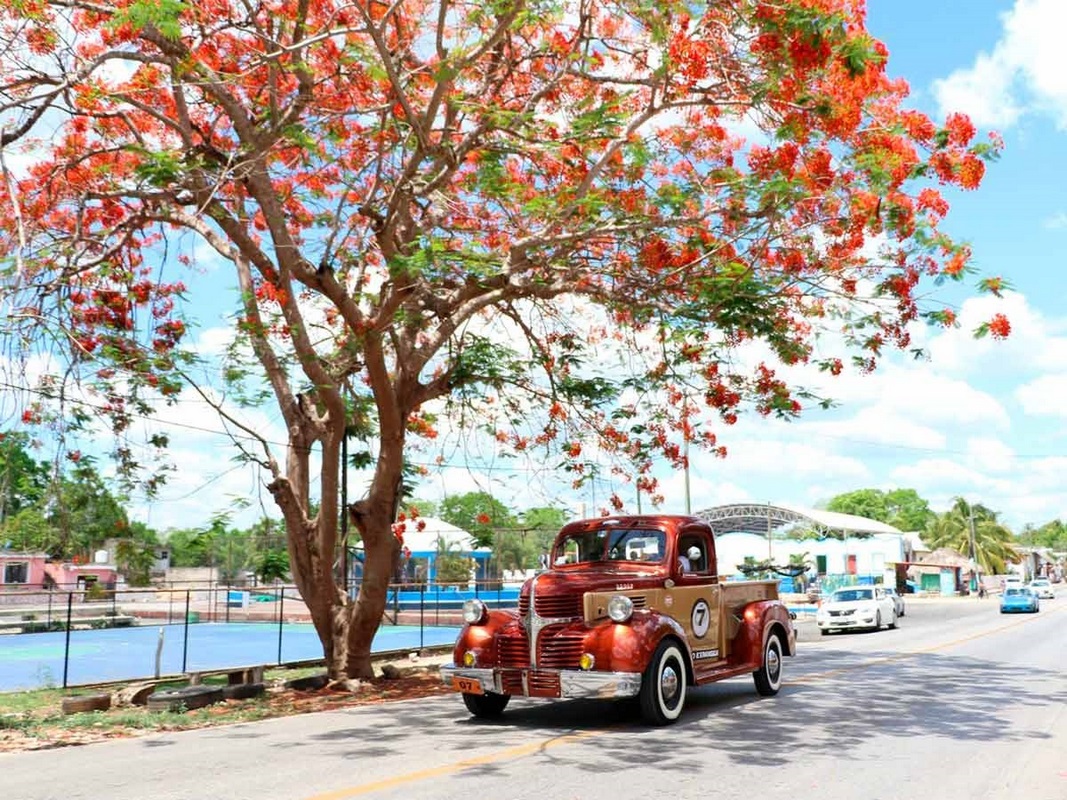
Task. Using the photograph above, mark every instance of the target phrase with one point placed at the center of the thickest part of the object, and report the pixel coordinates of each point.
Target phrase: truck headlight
(620, 608)
(475, 612)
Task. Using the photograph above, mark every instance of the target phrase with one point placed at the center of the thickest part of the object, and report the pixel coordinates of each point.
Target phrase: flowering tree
(463, 208)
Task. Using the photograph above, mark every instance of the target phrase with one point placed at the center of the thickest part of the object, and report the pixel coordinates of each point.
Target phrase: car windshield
(1039, 582)
(1014, 592)
(611, 544)
(852, 595)
(890, 591)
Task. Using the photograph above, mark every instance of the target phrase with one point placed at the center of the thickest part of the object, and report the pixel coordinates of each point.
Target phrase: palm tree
(992, 547)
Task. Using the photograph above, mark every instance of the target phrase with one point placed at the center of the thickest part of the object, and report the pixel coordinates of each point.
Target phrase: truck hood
(602, 579)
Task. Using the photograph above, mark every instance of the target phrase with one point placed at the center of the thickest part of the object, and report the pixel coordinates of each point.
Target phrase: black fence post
(281, 608)
(227, 602)
(66, 646)
(50, 609)
(185, 641)
(422, 615)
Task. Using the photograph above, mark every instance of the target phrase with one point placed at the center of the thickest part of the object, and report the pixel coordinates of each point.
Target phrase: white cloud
(1035, 343)
(1057, 221)
(990, 455)
(983, 92)
(1025, 72)
(1044, 395)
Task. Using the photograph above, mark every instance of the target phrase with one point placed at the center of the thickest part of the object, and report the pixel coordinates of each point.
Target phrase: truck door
(695, 597)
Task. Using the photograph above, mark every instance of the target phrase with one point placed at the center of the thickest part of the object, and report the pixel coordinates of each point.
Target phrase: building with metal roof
(844, 545)
(764, 518)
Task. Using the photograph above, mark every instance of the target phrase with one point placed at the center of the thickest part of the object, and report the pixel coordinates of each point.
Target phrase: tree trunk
(366, 614)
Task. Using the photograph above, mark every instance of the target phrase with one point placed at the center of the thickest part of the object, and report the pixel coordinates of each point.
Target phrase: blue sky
(980, 419)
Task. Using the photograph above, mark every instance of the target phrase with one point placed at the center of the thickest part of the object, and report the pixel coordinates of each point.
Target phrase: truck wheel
(663, 685)
(768, 677)
(486, 706)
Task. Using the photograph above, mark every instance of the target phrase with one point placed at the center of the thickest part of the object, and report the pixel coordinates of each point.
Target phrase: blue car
(1018, 598)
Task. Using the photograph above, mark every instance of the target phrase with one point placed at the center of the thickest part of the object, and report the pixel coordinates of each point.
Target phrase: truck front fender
(628, 646)
(758, 621)
(481, 639)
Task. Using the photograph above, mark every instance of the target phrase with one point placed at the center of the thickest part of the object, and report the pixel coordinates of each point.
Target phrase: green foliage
(452, 566)
(163, 15)
(84, 511)
(30, 531)
(973, 531)
(135, 559)
(478, 513)
(901, 508)
(272, 565)
(23, 480)
(1051, 535)
(540, 526)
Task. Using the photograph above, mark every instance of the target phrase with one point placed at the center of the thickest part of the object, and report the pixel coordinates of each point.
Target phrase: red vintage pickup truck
(631, 607)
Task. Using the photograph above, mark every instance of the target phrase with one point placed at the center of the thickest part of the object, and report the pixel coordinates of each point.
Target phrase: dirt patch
(47, 727)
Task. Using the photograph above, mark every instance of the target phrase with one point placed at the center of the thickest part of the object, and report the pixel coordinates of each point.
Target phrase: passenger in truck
(690, 562)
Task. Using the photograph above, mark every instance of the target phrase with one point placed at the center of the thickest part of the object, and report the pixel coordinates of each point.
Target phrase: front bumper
(544, 682)
(845, 623)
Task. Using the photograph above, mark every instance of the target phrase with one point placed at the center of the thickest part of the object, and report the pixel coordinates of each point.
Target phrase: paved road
(959, 702)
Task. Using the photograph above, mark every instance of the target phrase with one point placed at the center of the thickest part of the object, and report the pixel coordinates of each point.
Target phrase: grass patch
(32, 701)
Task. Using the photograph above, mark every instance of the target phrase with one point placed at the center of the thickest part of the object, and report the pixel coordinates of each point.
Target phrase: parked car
(856, 607)
(898, 601)
(1019, 598)
(1042, 587)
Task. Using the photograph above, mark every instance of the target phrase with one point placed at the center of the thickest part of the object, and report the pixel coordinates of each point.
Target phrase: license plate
(466, 685)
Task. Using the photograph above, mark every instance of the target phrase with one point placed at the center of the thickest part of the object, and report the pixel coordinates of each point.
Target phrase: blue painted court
(35, 660)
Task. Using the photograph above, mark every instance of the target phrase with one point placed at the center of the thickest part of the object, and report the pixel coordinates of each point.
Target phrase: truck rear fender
(629, 646)
(758, 621)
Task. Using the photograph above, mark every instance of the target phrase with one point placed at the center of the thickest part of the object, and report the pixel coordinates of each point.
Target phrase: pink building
(36, 571)
(22, 569)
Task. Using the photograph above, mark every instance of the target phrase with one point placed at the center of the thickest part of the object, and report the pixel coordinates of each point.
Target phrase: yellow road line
(537, 747)
(457, 766)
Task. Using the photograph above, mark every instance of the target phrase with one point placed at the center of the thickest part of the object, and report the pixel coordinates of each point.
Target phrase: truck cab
(630, 607)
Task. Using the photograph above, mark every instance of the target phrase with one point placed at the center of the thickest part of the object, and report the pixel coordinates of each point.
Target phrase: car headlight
(620, 608)
(475, 612)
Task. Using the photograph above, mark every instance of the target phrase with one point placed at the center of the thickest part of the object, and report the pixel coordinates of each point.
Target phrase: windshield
(852, 595)
(1014, 592)
(611, 544)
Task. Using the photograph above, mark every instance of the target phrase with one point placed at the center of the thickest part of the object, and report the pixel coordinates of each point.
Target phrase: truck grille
(543, 684)
(565, 606)
(512, 651)
(561, 651)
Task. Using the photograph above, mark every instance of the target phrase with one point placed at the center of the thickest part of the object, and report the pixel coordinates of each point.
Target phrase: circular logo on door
(700, 619)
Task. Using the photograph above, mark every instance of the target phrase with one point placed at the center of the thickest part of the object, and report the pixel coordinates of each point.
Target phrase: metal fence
(93, 635)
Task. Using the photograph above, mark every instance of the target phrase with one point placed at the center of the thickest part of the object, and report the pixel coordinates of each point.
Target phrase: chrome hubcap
(774, 664)
(668, 682)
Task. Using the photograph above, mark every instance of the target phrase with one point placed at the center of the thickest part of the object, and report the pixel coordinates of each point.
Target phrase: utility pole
(974, 550)
(688, 504)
